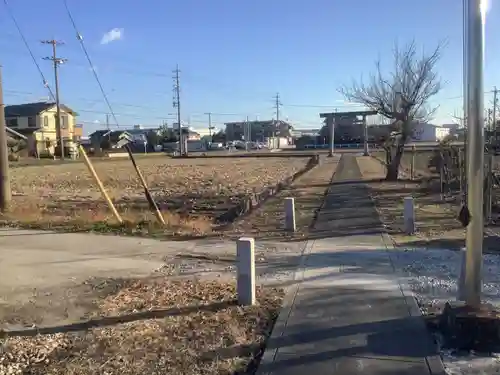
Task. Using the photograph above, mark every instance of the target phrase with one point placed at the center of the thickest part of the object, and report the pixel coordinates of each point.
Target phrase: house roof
(32, 109)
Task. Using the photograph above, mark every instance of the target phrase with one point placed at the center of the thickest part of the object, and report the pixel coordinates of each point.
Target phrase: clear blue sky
(233, 55)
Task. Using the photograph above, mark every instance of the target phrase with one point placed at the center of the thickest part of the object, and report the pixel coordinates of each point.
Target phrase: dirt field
(308, 192)
(150, 326)
(189, 192)
(437, 221)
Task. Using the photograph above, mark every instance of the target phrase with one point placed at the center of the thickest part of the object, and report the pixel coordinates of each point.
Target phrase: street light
(474, 20)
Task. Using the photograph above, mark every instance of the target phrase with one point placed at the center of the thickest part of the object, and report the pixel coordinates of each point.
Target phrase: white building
(425, 132)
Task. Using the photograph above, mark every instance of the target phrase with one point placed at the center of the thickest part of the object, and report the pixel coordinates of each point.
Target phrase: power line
(14, 20)
(92, 66)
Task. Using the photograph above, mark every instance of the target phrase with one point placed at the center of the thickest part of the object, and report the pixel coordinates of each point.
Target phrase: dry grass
(308, 191)
(173, 327)
(436, 220)
(189, 192)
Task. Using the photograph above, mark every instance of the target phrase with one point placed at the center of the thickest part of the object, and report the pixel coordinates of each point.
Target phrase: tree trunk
(393, 166)
(388, 155)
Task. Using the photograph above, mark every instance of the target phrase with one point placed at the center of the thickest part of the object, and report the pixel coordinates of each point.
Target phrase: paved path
(41, 260)
(347, 313)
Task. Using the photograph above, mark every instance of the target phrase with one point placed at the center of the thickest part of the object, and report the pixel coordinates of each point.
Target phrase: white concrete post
(290, 214)
(409, 215)
(245, 284)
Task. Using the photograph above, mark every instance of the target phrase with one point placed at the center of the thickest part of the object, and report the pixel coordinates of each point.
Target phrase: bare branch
(403, 95)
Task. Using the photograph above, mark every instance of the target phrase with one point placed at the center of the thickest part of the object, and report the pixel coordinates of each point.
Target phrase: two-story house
(37, 121)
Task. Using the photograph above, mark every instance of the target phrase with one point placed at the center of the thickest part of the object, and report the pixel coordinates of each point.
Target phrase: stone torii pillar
(330, 125)
(365, 137)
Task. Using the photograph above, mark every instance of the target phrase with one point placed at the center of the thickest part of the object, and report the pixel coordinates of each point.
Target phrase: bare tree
(401, 96)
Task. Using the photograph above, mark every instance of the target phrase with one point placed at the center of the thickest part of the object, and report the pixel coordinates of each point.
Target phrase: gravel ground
(432, 275)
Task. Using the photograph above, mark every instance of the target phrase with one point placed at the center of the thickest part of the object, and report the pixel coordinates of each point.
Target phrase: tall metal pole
(209, 124)
(177, 104)
(249, 130)
(247, 134)
(277, 118)
(5, 192)
(475, 155)
(56, 61)
(465, 68)
(108, 130)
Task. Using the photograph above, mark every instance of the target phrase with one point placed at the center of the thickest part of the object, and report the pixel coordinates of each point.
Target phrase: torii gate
(331, 119)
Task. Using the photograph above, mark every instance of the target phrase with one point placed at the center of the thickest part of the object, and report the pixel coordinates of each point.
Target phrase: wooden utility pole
(5, 192)
(56, 61)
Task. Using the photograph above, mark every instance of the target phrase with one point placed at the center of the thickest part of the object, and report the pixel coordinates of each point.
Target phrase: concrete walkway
(347, 313)
(42, 260)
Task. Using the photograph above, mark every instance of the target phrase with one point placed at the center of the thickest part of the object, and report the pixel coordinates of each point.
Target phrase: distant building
(259, 130)
(425, 132)
(297, 133)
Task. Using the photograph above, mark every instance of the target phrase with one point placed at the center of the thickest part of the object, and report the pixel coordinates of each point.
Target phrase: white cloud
(112, 35)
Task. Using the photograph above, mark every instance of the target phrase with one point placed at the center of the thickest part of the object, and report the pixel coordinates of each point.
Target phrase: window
(31, 122)
(12, 123)
(64, 122)
(45, 121)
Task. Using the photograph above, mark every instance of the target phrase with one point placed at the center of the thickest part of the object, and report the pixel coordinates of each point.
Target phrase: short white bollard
(409, 215)
(245, 284)
(290, 214)
(461, 276)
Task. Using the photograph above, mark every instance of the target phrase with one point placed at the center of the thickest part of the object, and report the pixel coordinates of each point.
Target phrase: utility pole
(108, 130)
(5, 192)
(210, 127)
(57, 61)
(247, 133)
(474, 73)
(277, 107)
(177, 104)
(491, 156)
